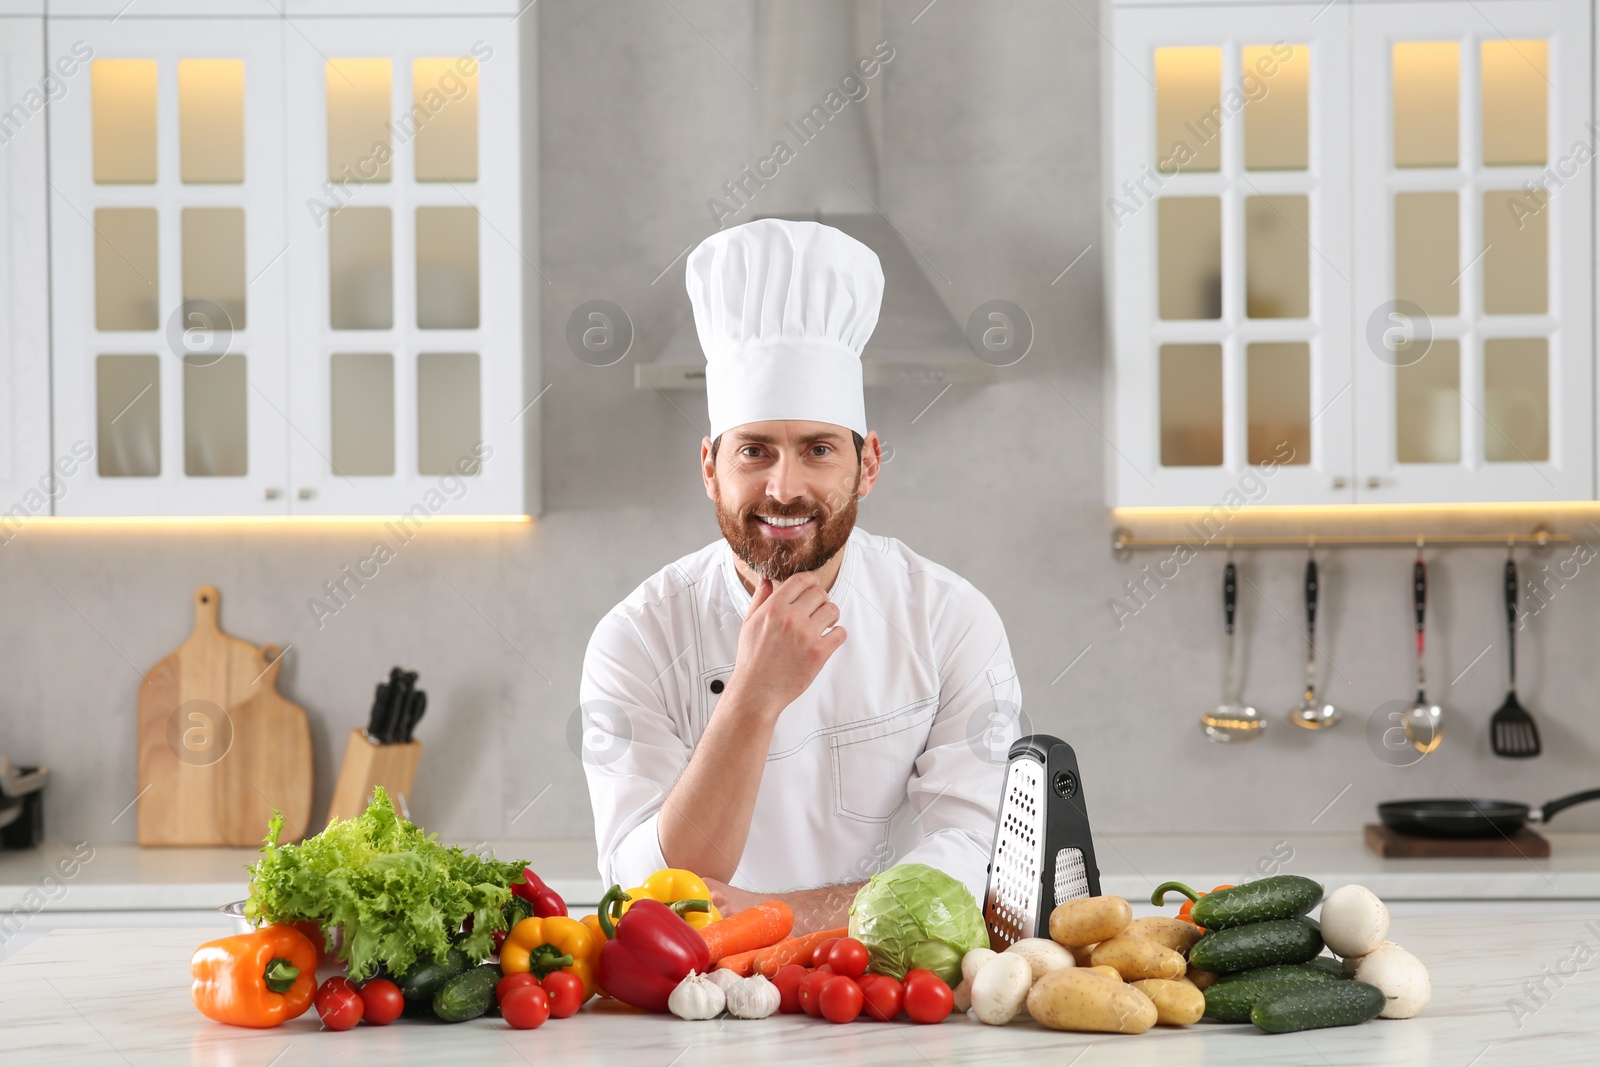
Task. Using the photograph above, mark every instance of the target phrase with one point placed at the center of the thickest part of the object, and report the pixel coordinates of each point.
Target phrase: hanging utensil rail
(1122, 540)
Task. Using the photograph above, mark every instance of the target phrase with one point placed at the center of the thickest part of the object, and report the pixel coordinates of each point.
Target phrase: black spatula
(1512, 733)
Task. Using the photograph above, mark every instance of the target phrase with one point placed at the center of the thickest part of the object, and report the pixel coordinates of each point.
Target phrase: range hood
(802, 53)
(916, 341)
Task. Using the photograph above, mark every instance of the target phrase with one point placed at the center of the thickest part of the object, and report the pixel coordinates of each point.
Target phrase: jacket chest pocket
(872, 762)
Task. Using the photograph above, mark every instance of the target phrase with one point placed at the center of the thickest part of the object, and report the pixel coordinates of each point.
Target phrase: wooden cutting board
(219, 747)
(1390, 845)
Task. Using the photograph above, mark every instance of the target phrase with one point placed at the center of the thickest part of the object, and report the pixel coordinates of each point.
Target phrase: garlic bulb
(753, 997)
(724, 978)
(696, 997)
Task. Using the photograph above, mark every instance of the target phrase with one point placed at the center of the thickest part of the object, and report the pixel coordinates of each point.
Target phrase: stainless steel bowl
(235, 914)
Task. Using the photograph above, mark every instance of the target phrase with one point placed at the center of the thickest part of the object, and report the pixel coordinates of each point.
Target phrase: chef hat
(783, 310)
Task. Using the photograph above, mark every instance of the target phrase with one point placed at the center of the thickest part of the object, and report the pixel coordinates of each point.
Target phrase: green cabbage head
(913, 915)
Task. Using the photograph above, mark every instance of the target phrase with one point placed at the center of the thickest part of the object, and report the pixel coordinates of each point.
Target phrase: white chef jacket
(895, 754)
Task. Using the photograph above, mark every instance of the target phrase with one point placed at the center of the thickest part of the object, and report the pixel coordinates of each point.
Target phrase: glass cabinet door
(407, 258)
(1473, 200)
(1228, 208)
(167, 256)
(30, 480)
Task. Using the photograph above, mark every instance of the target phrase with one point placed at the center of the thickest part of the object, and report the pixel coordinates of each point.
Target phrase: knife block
(367, 765)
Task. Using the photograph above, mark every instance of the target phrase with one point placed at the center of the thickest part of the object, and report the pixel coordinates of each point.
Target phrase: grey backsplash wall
(991, 168)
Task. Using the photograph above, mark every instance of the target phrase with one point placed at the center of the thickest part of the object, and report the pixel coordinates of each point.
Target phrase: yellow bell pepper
(673, 884)
(552, 943)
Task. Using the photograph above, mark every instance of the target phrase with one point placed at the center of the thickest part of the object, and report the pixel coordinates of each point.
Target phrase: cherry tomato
(381, 1002)
(884, 997)
(840, 999)
(811, 988)
(819, 955)
(788, 982)
(927, 998)
(826, 968)
(512, 981)
(565, 991)
(526, 1007)
(848, 957)
(339, 1003)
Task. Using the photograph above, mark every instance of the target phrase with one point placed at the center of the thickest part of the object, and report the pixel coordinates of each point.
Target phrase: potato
(1043, 955)
(1076, 999)
(1109, 972)
(1177, 1003)
(1084, 921)
(1176, 934)
(1137, 957)
(1203, 980)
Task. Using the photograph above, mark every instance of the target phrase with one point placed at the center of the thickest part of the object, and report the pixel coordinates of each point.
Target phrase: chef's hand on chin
(782, 646)
(730, 900)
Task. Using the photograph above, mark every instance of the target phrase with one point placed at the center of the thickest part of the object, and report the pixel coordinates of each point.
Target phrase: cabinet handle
(273, 492)
(1373, 481)
(1339, 481)
(306, 494)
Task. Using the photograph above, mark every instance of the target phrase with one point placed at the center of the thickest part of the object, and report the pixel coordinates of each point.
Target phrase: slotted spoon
(1512, 733)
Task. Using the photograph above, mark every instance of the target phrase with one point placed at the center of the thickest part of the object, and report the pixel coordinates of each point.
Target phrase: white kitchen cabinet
(170, 351)
(1227, 207)
(287, 261)
(1265, 221)
(1473, 204)
(406, 261)
(29, 479)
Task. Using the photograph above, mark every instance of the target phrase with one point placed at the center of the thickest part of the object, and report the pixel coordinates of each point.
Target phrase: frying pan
(1471, 818)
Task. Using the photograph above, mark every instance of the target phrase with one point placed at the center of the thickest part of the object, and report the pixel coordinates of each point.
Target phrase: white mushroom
(1401, 976)
(1043, 955)
(1000, 988)
(973, 960)
(1354, 921)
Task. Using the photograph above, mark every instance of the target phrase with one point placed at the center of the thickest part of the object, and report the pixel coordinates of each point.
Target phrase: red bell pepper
(546, 901)
(649, 951)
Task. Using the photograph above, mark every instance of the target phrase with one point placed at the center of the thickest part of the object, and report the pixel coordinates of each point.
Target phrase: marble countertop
(128, 878)
(83, 997)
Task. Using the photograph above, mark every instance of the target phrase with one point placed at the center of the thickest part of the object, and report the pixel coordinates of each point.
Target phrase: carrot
(793, 950)
(758, 927)
(740, 963)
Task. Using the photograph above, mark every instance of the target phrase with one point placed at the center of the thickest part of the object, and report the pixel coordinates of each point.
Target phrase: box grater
(1043, 853)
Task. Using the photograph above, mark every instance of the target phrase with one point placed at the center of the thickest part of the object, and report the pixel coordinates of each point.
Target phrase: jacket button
(716, 685)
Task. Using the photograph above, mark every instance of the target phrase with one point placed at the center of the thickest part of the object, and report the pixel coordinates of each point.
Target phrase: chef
(799, 704)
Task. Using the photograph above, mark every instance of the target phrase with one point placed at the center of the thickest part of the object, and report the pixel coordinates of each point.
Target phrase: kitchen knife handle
(1230, 590)
(1311, 594)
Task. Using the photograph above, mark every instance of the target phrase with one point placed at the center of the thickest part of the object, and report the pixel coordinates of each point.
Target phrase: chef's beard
(777, 560)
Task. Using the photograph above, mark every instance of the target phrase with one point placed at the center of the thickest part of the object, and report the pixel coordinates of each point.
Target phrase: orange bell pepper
(259, 979)
(552, 943)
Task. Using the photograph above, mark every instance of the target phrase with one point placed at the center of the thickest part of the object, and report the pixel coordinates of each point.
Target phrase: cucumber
(1232, 1003)
(1314, 1006)
(467, 995)
(1329, 964)
(1283, 896)
(1286, 972)
(425, 977)
(1243, 948)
